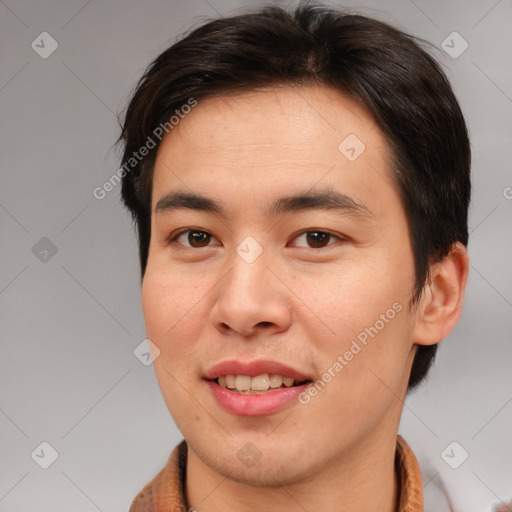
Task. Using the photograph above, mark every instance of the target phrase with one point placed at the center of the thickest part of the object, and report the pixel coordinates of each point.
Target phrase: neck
(362, 478)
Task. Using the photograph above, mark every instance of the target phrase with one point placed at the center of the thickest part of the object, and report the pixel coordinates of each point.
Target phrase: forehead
(274, 139)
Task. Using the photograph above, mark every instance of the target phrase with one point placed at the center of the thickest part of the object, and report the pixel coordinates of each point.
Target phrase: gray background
(70, 321)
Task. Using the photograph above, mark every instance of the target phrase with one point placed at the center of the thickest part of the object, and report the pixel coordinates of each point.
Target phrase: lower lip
(255, 404)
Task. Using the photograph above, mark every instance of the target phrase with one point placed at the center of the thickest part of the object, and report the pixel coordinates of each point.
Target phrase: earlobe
(441, 302)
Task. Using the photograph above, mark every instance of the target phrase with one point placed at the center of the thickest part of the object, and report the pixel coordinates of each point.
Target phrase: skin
(300, 303)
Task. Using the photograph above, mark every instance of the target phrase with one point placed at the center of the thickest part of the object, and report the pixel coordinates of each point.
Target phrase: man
(300, 185)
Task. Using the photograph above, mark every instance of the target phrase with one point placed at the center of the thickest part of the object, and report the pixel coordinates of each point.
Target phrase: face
(295, 262)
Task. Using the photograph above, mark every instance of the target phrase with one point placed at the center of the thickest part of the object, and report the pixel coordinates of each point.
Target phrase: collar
(165, 492)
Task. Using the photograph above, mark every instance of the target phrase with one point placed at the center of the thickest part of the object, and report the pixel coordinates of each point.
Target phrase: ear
(441, 301)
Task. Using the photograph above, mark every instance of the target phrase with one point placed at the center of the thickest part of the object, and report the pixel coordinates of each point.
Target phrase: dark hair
(383, 68)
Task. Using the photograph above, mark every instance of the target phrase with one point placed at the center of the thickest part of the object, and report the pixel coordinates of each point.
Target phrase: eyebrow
(326, 199)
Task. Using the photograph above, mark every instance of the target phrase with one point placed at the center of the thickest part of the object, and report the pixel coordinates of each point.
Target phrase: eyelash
(172, 238)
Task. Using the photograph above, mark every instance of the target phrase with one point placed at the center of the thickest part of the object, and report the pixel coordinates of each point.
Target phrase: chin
(272, 470)
(254, 459)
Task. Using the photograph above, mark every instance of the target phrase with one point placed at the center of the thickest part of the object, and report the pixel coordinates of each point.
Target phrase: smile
(257, 387)
(259, 384)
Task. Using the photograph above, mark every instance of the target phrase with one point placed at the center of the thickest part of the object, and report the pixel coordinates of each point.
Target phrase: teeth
(276, 381)
(230, 381)
(288, 381)
(260, 383)
(243, 383)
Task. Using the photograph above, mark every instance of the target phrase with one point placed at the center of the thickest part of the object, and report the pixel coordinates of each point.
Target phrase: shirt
(165, 492)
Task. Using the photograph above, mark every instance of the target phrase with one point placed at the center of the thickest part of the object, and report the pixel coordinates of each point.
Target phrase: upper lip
(254, 368)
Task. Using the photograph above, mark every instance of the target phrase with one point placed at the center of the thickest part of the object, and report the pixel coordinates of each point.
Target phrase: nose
(251, 299)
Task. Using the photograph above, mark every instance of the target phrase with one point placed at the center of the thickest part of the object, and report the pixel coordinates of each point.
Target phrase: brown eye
(317, 239)
(194, 238)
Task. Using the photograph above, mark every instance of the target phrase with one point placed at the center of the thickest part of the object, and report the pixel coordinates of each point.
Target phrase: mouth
(255, 388)
(259, 384)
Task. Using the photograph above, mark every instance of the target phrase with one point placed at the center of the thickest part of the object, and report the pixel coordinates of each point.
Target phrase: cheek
(352, 295)
(365, 367)
(169, 302)
(366, 309)
(168, 297)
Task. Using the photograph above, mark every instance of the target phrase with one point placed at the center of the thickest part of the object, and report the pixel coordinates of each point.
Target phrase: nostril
(265, 324)
(225, 328)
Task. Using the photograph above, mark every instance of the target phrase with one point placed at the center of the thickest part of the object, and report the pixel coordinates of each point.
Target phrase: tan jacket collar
(164, 493)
